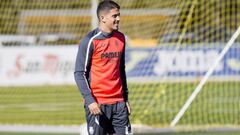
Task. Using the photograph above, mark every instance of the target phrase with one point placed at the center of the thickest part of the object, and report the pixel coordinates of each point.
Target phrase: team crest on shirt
(104, 45)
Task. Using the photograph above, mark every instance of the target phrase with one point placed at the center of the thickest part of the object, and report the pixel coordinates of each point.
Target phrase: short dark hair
(106, 5)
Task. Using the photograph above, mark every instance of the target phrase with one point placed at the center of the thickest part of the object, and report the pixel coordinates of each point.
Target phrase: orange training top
(100, 68)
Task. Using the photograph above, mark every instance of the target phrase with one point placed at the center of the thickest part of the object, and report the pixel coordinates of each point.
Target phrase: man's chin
(116, 28)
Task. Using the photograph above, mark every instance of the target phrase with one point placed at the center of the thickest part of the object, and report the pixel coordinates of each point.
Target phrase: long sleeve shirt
(100, 68)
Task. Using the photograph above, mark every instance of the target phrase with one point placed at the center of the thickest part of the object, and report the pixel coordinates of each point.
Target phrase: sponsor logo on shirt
(110, 55)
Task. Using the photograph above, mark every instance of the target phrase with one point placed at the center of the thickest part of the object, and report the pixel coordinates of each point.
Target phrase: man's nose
(118, 18)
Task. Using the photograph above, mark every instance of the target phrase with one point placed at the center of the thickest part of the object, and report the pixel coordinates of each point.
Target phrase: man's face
(111, 19)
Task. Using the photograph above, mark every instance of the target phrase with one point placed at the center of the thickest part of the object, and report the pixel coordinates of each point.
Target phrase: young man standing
(100, 74)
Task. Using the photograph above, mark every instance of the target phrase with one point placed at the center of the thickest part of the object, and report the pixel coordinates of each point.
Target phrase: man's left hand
(128, 107)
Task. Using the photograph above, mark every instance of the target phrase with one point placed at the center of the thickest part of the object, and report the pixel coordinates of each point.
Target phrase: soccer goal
(191, 79)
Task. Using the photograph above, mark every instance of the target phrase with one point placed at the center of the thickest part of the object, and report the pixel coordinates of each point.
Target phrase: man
(100, 74)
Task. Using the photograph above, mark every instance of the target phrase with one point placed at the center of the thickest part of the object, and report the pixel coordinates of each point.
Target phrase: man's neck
(105, 29)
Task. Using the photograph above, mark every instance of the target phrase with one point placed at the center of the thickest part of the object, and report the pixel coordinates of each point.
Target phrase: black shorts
(114, 120)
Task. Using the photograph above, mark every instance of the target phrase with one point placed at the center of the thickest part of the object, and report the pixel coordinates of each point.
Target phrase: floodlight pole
(94, 22)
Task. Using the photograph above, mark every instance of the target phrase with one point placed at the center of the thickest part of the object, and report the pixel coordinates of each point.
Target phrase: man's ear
(102, 18)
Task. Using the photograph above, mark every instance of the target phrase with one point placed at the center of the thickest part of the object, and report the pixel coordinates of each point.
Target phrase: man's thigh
(94, 124)
(120, 119)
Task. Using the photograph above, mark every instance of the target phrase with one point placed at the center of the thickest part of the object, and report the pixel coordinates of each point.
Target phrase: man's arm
(81, 75)
(123, 76)
(82, 69)
(124, 81)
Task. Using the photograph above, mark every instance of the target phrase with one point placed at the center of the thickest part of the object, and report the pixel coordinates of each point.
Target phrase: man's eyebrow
(116, 14)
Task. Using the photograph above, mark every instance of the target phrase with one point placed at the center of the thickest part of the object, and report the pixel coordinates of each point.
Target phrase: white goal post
(204, 79)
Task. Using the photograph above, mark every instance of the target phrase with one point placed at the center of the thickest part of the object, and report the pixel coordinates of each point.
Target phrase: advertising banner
(21, 66)
(37, 65)
(189, 62)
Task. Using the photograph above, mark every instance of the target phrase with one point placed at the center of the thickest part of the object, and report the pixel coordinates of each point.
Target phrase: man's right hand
(94, 109)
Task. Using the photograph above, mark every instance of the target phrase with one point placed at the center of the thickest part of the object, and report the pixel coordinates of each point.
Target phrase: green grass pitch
(153, 104)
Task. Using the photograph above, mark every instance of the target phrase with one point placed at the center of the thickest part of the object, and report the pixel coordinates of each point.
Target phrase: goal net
(171, 46)
(189, 41)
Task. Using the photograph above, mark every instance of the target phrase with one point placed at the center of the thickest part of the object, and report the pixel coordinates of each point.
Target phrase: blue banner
(184, 62)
